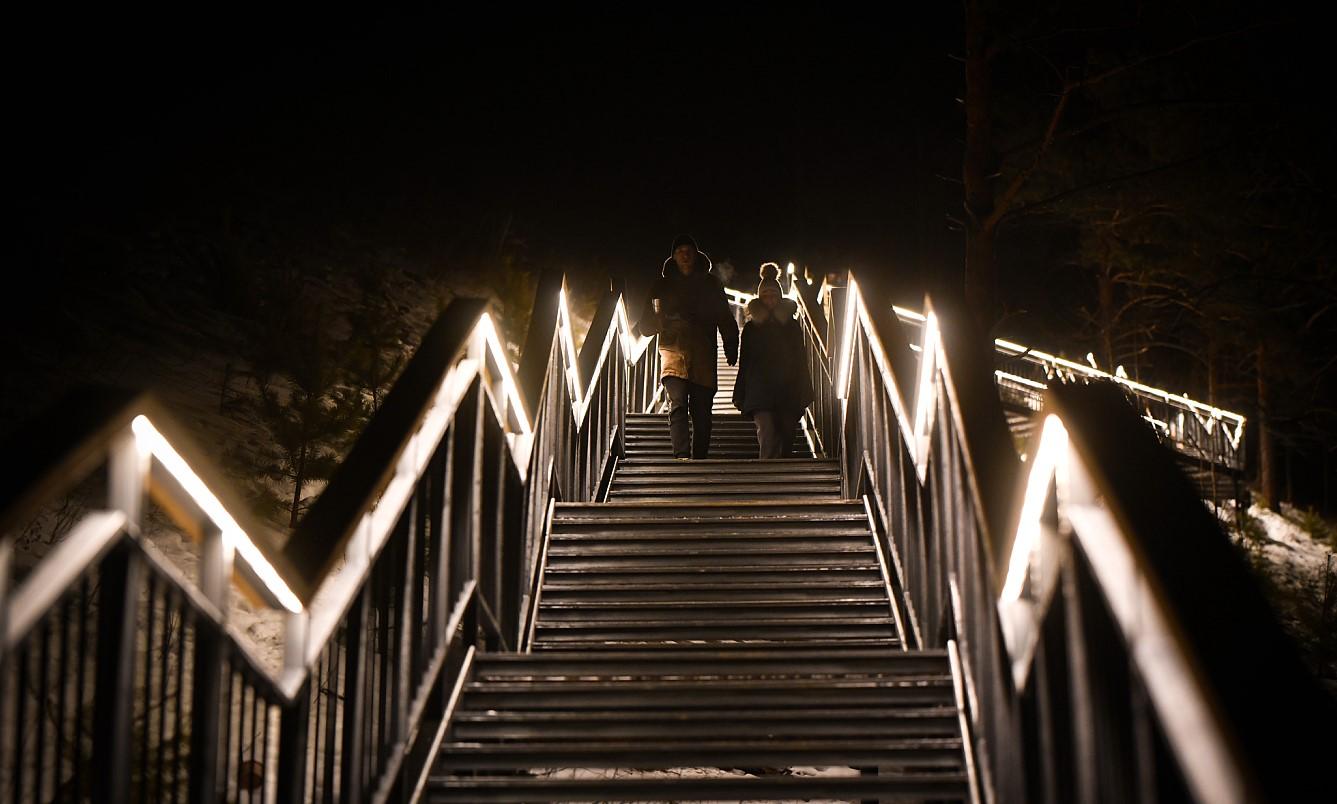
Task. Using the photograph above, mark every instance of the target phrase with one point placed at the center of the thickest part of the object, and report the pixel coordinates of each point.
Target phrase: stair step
(931, 721)
(744, 530)
(765, 472)
(870, 590)
(623, 496)
(724, 644)
(944, 786)
(778, 614)
(777, 574)
(682, 695)
(760, 510)
(922, 752)
(744, 489)
(775, 464)
(709, 536)
(786, 481)
(687, 662)
(671, 547)
(654, 563)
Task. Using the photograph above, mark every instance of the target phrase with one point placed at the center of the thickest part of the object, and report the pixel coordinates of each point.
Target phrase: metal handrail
(414, 551)
(940, 469)
(1196, 429)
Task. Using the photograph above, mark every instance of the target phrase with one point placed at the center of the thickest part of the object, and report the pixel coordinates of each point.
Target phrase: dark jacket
(772, 368)
(692, 308)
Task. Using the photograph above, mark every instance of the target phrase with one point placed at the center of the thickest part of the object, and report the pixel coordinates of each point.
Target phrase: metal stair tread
(784, 788)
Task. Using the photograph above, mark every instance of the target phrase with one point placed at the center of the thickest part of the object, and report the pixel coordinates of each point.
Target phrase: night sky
(594, 139)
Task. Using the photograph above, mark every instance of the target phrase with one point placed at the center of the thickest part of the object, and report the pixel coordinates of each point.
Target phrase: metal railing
(1197, 430)
(1107, 635)
(121, 675)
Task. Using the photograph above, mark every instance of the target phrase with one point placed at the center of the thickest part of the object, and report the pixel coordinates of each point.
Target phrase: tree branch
(1034, 205)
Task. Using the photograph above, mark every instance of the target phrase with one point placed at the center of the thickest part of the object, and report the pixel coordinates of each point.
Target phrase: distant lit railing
(1195, 429)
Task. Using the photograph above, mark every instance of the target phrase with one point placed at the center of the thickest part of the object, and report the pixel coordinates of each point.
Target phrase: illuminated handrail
(1177, 407)
(944, 480)
(411, 478)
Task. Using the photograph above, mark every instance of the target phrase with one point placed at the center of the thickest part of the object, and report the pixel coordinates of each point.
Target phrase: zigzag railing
(1112, 645)
(121, 674)
(1195, 429)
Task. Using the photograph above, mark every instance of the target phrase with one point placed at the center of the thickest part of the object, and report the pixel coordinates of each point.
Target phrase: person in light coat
(686, 307)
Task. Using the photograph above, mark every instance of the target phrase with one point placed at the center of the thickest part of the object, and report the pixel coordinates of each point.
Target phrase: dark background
(198, 161)
(594, 139)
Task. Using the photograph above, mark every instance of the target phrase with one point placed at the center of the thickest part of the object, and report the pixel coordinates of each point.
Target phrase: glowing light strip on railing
(855, 309)
(568, 341)
(632, 345)
(1193, 405)
(1192, 725)
(232, 533)
(1050, 457)
(488, 331)
(1003, 375)
(1200, 410)
(925, 393)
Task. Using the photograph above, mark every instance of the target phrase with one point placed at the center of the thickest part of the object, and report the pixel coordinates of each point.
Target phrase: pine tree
(376, 351)
(313, 416)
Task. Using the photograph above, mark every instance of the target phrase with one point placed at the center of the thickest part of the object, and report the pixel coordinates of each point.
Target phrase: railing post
(215, 575)
(295, 719)
(836, 299)
(118, 578)
(408, 628)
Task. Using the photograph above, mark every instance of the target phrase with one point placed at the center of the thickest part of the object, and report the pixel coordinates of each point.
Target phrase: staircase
(719, 630)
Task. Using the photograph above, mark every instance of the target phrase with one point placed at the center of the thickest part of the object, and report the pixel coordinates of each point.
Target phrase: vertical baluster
(257, 768)
(169, 604)
(315, 685)
(438, 509)
(332, 711)
(179, 713)
(79, 681)
(406, 614)
(40, 705)
(147, 694)
(19, 659)
(225, 743)
(240, 753)
(372, 688)
(351, 757)
(62, 678)
(264, 756)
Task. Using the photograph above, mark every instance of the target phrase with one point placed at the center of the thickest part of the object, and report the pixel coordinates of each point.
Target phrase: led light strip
(1050, 457)
(1200, 410)
(233, 536)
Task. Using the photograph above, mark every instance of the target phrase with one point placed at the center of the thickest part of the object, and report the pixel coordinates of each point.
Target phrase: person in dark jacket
(686, 307)
(773, 387)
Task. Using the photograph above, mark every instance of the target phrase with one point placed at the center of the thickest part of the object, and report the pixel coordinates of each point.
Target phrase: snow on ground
(1293, 552)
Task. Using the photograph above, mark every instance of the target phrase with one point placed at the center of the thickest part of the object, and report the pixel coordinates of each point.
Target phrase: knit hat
(684, 240)
(770, 277)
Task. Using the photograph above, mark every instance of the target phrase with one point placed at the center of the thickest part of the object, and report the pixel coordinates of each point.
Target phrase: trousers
(775, 432)
(689, 400)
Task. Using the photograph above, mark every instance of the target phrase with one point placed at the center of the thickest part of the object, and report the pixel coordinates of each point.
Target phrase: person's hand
(731, 358)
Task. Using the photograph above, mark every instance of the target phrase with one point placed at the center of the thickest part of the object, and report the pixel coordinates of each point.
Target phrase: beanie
(770, 277)
(683, 240)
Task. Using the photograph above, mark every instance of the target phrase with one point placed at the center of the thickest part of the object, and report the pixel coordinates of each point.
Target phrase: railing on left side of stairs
(122, 673)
